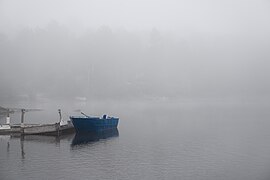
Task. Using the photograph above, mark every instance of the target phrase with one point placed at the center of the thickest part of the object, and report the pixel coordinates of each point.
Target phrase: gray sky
(230, 16)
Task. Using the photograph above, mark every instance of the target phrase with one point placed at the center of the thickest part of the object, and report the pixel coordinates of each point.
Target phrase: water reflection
(10, 141)
(43, 139)
(84, 138)
(5, 139)
(36, 139)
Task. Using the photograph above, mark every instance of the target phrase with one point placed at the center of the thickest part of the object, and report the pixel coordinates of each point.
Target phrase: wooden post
(59, 111)
(60, 119)
(22, 120)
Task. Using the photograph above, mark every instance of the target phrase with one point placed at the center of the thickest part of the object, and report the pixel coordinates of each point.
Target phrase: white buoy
(61, 121)
(7, 125)
(8, 120)
(4, 126)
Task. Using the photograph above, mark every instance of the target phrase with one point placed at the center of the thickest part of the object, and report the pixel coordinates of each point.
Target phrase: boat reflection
(84, 138)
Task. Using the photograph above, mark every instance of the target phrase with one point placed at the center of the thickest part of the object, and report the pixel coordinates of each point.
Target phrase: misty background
(121, 50)
(189, 80)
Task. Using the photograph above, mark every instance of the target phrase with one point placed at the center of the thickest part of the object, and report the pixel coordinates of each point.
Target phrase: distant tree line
(117, 64)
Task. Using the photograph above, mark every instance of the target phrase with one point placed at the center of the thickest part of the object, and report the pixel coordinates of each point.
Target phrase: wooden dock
(61, 127)
(37, 129)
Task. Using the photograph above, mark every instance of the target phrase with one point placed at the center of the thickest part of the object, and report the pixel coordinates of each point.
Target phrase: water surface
(180, 141)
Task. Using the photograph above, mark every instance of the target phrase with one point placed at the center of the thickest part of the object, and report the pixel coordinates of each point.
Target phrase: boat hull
(93, 124)
(41, 129)
(49, 129)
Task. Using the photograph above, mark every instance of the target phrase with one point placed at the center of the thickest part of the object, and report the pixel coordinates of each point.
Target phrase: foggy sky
(126, 49)
(242, 16)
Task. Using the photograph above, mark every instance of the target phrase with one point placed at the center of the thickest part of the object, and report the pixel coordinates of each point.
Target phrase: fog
(126, 50)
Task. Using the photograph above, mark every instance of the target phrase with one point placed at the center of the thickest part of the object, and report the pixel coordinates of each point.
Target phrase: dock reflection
(85, 138)
(35, 140)
(43, 139)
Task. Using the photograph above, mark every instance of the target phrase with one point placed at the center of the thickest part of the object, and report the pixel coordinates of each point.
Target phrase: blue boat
(93, 124)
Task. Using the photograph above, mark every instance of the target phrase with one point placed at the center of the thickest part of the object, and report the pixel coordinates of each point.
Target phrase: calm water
(204, 142)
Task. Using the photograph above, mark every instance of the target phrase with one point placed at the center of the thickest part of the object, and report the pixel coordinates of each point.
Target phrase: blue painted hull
(93, 124)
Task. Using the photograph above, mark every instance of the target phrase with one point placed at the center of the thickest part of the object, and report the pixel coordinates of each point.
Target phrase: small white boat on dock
(61, 127)
(5, 128)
